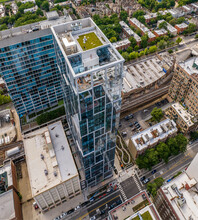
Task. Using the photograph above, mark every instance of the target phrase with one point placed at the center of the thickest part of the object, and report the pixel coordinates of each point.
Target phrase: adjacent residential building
(52, 172)
(170, 28)
(10, 205)
(181, 27)
(130, 33)
(122, 45)
(92, 74)
(28, 65)
(149, 17)
(137, 207)
(144, 30)
(184, 85)
(177, 200)
(160, 32)
(184, 120)
(151, 136)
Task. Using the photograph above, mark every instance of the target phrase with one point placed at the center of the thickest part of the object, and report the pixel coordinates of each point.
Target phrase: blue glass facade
(92, 97)
(30, 71)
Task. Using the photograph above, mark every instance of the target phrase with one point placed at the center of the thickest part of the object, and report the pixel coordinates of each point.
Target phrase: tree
(157, 114)
(163, 25)
(3, 27)
(161, 44)
(179, 40)
(170, 51)
(125, 56)
(138, 13)
(194, 135)
(129, 49)
(163, 151)
(133, 41)
(39, 12)
(144, 41)
(113, 39)
(132, 55)
(146, 51)
(141, 19)
(191, 28)
(154, 186)
(152, 49)
(123, 15)
(174, 148)
(141, 53)
(45, 5)
(196, 36)
(136, 48)
(182, 142)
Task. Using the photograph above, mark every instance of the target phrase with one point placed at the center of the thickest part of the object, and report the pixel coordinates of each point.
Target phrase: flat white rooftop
(47, 150)
(184, 198)
(182, 25)
(121, 43)
(154, 134)
(182, 112)
(146, 72)
(7, 208)
(190, 65)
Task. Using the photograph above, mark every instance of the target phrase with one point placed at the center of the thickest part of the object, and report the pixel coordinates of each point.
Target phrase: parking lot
(136, 122)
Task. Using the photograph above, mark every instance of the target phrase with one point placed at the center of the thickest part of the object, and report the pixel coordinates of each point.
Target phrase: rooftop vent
(42, 157)
(46, 172)
(55, 173)
(62, 148)
(56, 135)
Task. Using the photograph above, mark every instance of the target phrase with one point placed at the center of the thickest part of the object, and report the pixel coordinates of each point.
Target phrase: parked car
(93, 217)
(127, 118)
(70, 211)
(130, 116)
(120, 125)
(153, 171)
(77, 207)
(136, 123)
(142, 178)
(145, 110)
(146, 181)
(124, 133)
(144, 196)
(35, 205)
(131, 125)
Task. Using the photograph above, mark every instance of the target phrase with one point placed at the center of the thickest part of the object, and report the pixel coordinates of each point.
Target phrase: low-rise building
(151, 136)
(144, 30)
(194, 7)
(184, 120)
(2, 10)
(48, 157)
(32, 10)
(184, 84)
(147, 73)
(14, 8)
(177, 199)
(181, 27)
(170, 28)
(9, 200)
(160, 32)
(149, 17)
(122, 45)
(132, 209)
(130, 33)
(52, 15)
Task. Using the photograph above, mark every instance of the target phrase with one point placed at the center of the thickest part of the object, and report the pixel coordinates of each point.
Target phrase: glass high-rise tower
(92, 74)
(28, 66)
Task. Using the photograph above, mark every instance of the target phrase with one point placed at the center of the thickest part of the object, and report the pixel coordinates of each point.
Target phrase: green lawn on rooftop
(92, 41)
(145, 216)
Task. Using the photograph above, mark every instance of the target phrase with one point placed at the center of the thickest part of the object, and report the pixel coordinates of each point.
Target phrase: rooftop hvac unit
(42, 157)
(55, 173)
(46, 172)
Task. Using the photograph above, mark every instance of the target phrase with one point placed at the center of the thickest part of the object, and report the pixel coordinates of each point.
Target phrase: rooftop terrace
(84, 45)
(190, 65)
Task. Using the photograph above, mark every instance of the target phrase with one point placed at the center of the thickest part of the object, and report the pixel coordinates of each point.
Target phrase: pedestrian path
(122, 192)
(137, 183)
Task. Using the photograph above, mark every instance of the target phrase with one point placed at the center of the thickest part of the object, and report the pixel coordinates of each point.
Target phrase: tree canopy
(157, 114)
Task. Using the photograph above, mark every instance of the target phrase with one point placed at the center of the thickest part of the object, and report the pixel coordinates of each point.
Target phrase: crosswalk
(137, 183)
(122, 192)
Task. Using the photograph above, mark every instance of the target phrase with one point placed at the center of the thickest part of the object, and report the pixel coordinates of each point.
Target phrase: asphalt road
(130, 186)
(176, 164)
(101, 205)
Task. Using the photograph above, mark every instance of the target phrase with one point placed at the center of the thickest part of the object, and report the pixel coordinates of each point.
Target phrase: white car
(93, 218)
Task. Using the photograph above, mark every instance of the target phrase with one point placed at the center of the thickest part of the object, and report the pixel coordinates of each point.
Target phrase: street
(176, 164)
